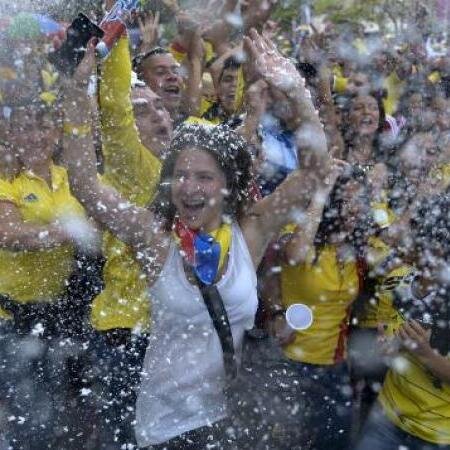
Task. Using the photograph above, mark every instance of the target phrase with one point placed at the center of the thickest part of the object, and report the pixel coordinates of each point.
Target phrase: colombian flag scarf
(204, 252)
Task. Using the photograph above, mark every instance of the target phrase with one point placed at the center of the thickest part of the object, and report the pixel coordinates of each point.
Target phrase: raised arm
(297, 248)
(131, 224)
(122, 149)
(312, 52)
(265, 218)
(190, 32)
(149, 29)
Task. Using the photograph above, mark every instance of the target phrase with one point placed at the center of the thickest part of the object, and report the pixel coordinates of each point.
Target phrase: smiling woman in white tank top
(184, 352)
(205, 184)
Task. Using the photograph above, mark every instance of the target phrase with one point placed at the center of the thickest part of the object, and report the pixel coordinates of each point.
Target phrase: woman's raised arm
(131, 224)
(264, 220)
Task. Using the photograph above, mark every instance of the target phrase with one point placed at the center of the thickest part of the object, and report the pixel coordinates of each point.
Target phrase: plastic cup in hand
(299, 316)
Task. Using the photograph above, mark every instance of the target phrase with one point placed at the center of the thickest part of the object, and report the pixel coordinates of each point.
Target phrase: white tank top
(183, 374)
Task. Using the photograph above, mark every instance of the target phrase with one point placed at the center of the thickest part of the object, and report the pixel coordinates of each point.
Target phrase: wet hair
(307, 70)
(332, 219)
(231, 63)
(231, 155)
(138, 60)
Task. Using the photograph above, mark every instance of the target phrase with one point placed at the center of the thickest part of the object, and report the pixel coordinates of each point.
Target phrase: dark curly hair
(229, 151)
(345, 103)
(333, 220)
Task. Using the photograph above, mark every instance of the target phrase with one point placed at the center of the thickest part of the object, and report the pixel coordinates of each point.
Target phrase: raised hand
(415, 338)
(266, 61)
(149, 29)
(256, 12)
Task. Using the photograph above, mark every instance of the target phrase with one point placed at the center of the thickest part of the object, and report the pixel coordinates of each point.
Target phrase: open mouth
(193, 206)
(368, 121)
(173, 91)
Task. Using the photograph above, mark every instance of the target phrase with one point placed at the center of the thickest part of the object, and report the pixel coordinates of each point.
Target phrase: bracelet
(81, 130)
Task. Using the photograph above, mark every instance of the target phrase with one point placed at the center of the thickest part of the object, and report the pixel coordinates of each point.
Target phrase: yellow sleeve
(129, 166)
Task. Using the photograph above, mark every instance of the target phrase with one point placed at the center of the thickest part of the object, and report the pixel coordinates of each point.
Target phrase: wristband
(76, 130)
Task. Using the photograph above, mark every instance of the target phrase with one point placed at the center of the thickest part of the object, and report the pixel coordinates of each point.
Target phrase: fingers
(411, 332)
(87, 64)
(250, 49)
(269, 43)
(418, 329)
(257, 40)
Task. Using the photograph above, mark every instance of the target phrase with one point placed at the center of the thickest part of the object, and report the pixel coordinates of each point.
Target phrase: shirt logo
(31, 198)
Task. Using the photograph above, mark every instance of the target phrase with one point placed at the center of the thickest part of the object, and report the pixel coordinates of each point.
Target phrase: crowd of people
(236, 160)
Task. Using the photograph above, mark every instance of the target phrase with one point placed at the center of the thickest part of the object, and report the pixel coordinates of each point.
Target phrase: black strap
(219, 317)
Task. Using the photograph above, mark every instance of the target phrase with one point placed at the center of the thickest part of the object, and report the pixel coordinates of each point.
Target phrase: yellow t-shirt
(411, 400)
(386, 312)
(133, 171)
(378, 251)
(328, 287)
(38, 276)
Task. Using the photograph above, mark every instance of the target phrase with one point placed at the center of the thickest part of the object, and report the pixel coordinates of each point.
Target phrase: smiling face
(198, 189)
(161, 73)
(364, 115)
(152, 120)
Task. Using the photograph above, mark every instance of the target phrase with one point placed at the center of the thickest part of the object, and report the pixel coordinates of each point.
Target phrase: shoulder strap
(219, 317)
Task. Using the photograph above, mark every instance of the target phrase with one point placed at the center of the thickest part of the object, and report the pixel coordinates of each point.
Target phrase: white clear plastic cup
(299, 316)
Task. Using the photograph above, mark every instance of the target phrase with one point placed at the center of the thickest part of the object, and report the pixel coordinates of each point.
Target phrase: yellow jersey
(378, 251)
(328, 287)
(38, 275)
(133, 171)
(410, 398)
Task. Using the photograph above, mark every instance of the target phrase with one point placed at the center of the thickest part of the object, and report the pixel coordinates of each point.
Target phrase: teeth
(194, 203)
